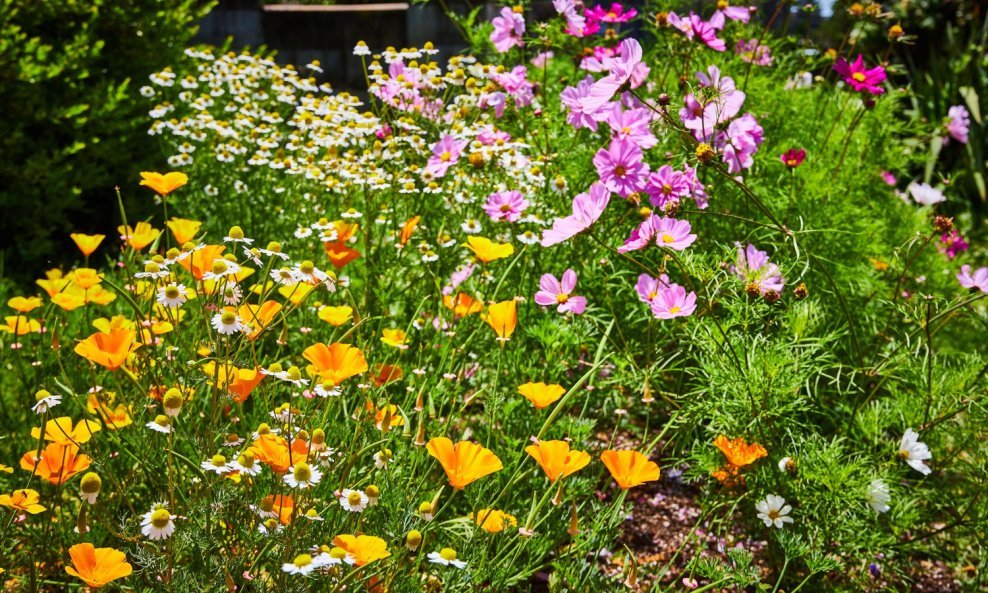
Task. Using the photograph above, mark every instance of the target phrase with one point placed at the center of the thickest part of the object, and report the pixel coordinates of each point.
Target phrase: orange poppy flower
(22, 500)
(258, 317)
(390, 414)
(87, 244)
(345, 230)
(238, 382)
(465, 462)
(84, 278)
(201, 260)
(462, 305)
(24, 304)
(336, 316)
(738, 452)
(164, 184)
(339, 254)
(281, 505)
(20, 325)
(362, 549)
(58, 462)
(273, 451)
(97, 566)
(493, 520)
(487, 251)
(102, 404)
(407, 229)
(541, 394)
(336, 362)
(629, 468)
(296, 293)
(386, 373)
(61, 431)
(140, 235)
(556, 459)
(108, 349)
(502, 317)
(183, 230)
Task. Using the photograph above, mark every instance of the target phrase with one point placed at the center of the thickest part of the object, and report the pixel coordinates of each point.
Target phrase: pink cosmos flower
(793, 157)
(515, 83)
(725, 103)
(664, 231)
(615, 14)
(578, 116)
(925, 194)
(753, 52)
(489, 136)
(860, 78)
(461, 275)
(753, 267)
(697, 189)
(673, 302)
(740, 142)
(621, 168)
(695, 27)
(952, 244)
(959, 124)
(976, 281)
(633, 125)
(626, 68)
(648, 288)
(667, 185)
(542, 58)
(888, 178)
(505, 205)
(726, 11)
(560, 293)
(587, 208)
(576, 23)
(508, 29)
(445, 154)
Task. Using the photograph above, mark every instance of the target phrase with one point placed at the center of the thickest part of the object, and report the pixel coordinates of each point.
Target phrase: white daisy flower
(172, 296)
(878, 496)
(44, 401)
(302, 475)
(157, 523)
(303, 564)
(354, 501)
(246, 464)
(446, 557)
(227, 323)
(774, 511)
(914, 452)
(161, 423)
(217, 463)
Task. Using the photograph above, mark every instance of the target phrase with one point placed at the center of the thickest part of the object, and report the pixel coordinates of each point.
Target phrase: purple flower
(740, 142)
(754, 52)
(458, 277)
(952, 243)
(673, 302)
(508, 29)
(576, 23)
(632, 125)
(726, 11)
(695, 27)
(726, 101)
(925, 194)
(626, 68)
(698, 191)
(560, 293)
(615, 14)
(860, 78)
(753, 267)
(445, 154)
(505, 205)
(667, 185)
(578, 116)
(959, 123)
(666, 232)
(793, 157)
(587, 208)
(976, 281)
(648, 288)
(621, 168)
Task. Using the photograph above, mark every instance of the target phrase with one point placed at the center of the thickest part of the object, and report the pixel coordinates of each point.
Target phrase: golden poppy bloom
(140, 235)
(115, 417)
(296, 293)
(258, 317)
(70, 299)
(339, 253)
(24, 304)
(335, 362)
(462, 305)
(465, 462)
(61, 431)
(493, 520)
(164, 184)
(335, 316)
(22, 500)
(541, 394)
(183, 229)
(97, 566)
(363, 549)
(738, 452)
(20, 325)
(108, 349)
(84, 278)
(281, 505)
(390, 414)
(487, 251)
(201, 260)
(629, 468)
(386, 373)
(238, 382)
(345, 230)
(556, 459)
(87, 244)
(407, 229)
(393, 337)
(502, 317)
(58, 462)
(273, 451)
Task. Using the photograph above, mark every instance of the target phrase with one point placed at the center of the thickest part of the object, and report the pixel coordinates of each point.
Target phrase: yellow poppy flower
(164, 184)
(487, 251)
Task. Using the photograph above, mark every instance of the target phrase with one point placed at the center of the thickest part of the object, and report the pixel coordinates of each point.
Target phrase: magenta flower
(626, 68)
(673, 302)
(959, 123)
(508, 29)
(793, 157)
(667, 185)
(505, 205)
(722, 102)
(461, 275)
(952, 244)
(740, 142)
(664, 231)
(648, 288)
(860, 78)
(576, 23)
(753, 267)
(587, 208)
(697, 190)
(695, 27)
(445, 154)
(753, 52)
(578, 116)
(976, 281)
(633, 125)
(888, 178)
(560, 293)
(621, 168)
(615, 14)
(726, 11)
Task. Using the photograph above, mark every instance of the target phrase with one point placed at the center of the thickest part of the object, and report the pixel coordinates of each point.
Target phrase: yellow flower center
(246, 459)
(667, 238)
(160, 518)
(172, 292)
(40, 395)
(858, 76)
(219, 266)
(302, 560)
(307, 267)
(161, 420)
(445, 156)
(302, 472)
(228, 317)
(562, 298)
(448, 554)
(218, 460)
(354, 499)
(236, 233)
(674, 309)
(294, 373)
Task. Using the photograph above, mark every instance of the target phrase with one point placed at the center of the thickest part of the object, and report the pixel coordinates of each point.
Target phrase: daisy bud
(373, 494)
(664, 99)
(90, 487)
(413, 539)
(188, 246)
(173, 253)
(426, 511)
(318, 437)
(172, 401)
(236, 232)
